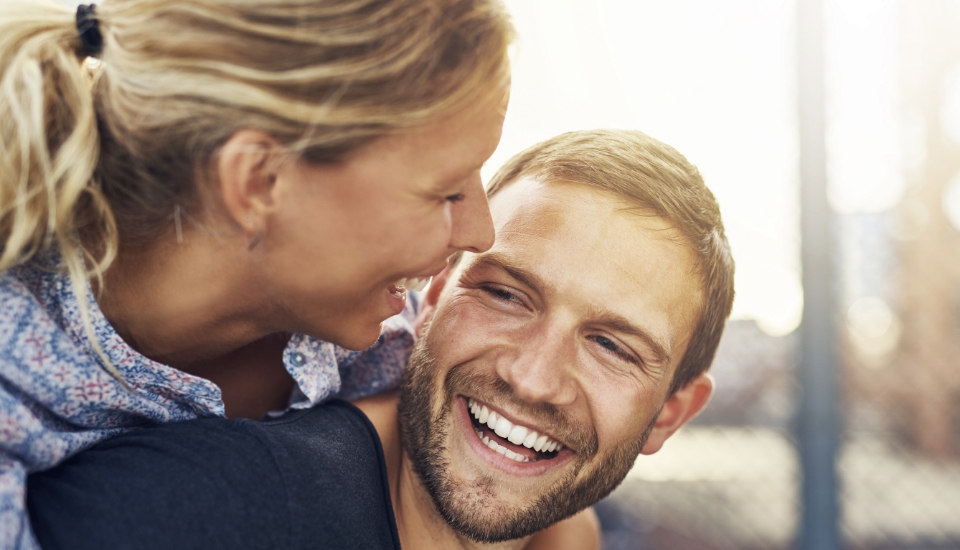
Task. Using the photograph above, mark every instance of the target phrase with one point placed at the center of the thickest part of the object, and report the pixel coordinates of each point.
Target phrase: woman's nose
(471, 224)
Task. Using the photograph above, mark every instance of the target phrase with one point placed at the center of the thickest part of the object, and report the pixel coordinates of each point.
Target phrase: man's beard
(472, 508)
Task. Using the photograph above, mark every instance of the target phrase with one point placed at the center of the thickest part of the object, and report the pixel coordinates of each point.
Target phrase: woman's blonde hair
(101, 153)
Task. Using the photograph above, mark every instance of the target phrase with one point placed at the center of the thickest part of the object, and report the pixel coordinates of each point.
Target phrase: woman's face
(345, 234)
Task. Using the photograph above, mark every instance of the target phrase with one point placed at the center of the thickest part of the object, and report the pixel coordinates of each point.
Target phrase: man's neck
(418, 521)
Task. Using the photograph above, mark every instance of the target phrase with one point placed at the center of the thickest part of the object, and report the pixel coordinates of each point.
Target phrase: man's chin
(474, 508)
(475, 511)
(484, 508)
(479, 508)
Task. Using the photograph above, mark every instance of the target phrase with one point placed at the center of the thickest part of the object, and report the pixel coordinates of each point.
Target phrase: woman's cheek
(433, 235)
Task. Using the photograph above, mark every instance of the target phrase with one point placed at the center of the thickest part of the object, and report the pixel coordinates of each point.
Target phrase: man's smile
(486, 420)
(508, 445)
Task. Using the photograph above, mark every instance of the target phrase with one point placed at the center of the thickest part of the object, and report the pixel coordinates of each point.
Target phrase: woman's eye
(609, 345)
(455, 198)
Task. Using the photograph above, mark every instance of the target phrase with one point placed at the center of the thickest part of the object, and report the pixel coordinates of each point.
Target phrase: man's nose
(471, 224)
(544, 369)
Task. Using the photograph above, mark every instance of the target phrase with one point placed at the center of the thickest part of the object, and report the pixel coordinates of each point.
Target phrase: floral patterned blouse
(57, 398)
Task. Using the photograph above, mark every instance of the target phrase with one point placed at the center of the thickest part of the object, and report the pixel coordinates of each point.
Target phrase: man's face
(571, 327)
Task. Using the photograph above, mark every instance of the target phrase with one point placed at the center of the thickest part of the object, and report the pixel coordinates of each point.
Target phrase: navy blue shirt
(314, 478)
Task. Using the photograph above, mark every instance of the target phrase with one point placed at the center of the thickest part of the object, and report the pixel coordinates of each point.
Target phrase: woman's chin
(359, 328)
(360, 336)
(359, 332)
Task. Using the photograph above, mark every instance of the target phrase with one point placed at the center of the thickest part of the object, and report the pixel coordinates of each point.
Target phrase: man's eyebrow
(618, 323)
(497, 260)
(609, 319)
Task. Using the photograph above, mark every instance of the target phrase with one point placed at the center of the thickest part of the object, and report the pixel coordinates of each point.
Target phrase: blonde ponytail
(49, 148)
(49, 145)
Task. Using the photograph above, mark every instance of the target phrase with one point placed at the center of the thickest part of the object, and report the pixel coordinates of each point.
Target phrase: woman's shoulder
(31, 292)
(55, 389)
(26, 297)
(39, 369)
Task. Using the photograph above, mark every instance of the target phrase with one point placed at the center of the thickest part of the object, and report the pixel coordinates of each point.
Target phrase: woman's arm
(580, 532)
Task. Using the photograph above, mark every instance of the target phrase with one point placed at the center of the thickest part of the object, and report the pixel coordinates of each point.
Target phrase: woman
(199, 195)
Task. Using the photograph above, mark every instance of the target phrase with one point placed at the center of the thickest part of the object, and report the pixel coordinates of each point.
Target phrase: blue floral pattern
(57, 397)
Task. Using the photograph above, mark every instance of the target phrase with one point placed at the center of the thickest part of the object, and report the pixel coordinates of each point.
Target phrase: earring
(256, 240)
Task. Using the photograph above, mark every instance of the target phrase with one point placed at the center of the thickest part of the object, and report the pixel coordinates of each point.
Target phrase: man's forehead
(564, 223)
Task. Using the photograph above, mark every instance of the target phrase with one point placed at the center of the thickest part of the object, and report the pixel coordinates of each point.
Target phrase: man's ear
(679, 409)
(430, 299)
(246, 169)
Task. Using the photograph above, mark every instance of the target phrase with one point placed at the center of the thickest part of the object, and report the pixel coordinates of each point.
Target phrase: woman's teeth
(514, 433)
(414, 283)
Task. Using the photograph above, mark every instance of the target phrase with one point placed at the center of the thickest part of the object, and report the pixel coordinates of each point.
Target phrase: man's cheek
(624, 424)
(470, 342)
(481, 315)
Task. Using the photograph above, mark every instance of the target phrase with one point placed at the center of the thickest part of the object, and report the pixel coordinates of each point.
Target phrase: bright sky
(713, 79)
(717, 81)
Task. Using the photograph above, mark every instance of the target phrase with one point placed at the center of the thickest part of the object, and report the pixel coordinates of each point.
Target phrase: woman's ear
(430, 298)
(679, 409)
(246, 178)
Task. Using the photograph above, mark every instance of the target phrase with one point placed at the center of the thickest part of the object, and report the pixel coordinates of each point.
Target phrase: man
(545, 366)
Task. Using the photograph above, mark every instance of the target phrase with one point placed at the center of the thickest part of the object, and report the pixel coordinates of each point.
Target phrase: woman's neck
(187, 302)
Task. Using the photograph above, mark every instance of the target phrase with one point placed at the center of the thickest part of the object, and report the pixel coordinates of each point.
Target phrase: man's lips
(515, 458)
(496, 431)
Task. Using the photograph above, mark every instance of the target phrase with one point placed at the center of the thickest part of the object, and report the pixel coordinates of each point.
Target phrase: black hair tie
(91, 41)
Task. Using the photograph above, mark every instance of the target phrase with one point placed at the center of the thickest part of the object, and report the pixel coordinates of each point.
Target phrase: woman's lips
(396, 299)
(397, 292)
(412, 283)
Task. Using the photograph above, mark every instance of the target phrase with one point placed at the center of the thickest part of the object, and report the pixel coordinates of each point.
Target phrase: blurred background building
(718, 80)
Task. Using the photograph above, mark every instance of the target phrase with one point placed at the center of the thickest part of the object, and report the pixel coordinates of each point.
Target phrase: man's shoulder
(381, 411)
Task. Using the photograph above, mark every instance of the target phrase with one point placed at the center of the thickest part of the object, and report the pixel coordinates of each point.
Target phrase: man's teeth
(501, 449)
(414, 283)
(514, 433)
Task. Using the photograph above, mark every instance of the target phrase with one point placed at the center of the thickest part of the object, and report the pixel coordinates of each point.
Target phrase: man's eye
(609, 345)
(455, 198)
(501, 294)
